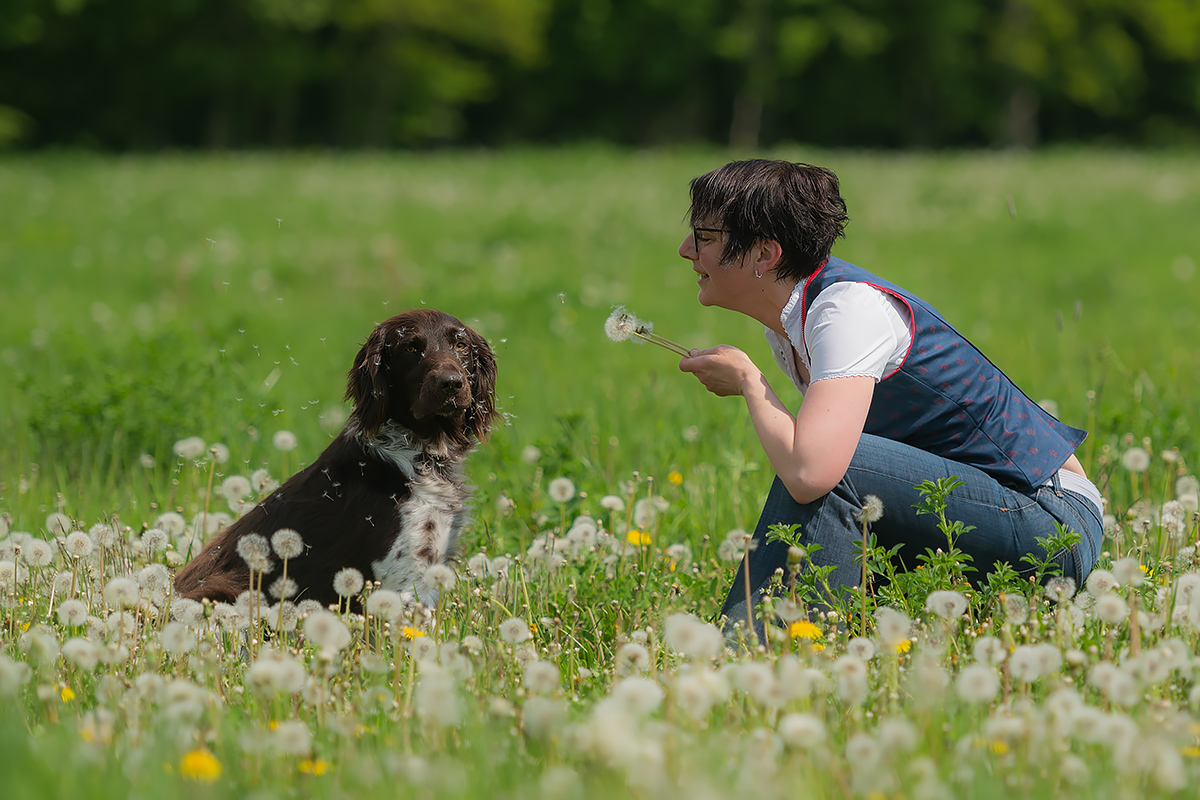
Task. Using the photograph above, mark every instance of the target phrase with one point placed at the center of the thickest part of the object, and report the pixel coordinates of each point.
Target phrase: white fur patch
(430, 519)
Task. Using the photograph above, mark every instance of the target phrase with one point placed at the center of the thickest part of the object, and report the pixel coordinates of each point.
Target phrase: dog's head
(429, 373)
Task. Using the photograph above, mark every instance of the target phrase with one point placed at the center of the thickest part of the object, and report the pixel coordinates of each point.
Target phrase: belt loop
(1056, 483)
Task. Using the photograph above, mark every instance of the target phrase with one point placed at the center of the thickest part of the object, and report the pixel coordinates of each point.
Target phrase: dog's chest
(429, 522)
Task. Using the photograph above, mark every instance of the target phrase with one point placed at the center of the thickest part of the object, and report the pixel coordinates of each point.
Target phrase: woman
(893, 395)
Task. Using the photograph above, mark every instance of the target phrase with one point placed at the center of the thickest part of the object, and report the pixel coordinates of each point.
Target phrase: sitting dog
(387, 496)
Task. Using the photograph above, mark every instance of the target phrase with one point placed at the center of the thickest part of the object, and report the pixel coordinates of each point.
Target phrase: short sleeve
(854, 329)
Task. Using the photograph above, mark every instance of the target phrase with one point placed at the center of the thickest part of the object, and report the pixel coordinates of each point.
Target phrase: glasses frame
(696, 235)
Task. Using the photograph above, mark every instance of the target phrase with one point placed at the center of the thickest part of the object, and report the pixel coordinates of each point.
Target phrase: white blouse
(852, 329)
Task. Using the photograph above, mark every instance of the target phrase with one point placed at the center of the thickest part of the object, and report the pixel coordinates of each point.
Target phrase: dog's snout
(449, 382)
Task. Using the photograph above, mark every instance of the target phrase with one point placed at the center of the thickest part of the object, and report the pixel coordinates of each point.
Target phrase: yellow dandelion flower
(675, 478)
(200, 765)
(903, 646)
(412, 633)
(316, 767)
(273, 725)
(803, 629)
(68, 694)
(817, 647)
(639, 538)
(998, 747)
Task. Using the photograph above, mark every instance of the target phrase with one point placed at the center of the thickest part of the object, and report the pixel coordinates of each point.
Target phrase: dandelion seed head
(514, 630)
(1100, 582)
(283, 588)
(81, 652)
(256, 552)
(236, 487)
(1128, 572)
(326, 631)
(72, 613)
(155, 540)
(542, 677)
(1111, 608)
(1060, 589)
(632, 657)
(946, 603)
(78, 545)
(291, 738)
(871, 511)
(386, 604)
(612, 503)
(892, 626)
(692, 636)
(620, 324)
(176, 639)
(153, 576)
(1135, 459)
(171, 522)
(637, 695)
(863, 751)
(37, 553)
(561, 490)
(861, 648)
(802, 731)
(284, 441)
(58, 524)
(440, 577)
(121, 592)
(977, 683)
(190, 448)
(347, 582)
(989, 650)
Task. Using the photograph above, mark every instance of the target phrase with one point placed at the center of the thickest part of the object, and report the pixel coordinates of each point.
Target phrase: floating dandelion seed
(621, 325)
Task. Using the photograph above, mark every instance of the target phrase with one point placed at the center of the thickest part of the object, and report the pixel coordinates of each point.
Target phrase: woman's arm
(809, 452)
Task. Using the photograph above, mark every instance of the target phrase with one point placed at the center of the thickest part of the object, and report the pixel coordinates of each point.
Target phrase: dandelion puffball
(620, 324)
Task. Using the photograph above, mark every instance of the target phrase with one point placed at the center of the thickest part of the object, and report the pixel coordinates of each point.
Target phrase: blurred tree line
(121, 74)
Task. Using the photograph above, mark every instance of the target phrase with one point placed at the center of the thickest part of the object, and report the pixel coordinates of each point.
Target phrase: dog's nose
(450, 382)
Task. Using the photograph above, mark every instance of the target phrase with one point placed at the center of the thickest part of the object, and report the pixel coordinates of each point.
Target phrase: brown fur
(422, 372)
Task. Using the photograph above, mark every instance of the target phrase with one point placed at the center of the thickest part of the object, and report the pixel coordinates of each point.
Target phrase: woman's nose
(687, 248)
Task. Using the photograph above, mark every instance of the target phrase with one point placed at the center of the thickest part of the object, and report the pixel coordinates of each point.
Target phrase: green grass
(146, 299)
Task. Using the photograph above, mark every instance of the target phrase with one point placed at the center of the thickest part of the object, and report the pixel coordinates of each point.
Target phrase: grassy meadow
(148, 300)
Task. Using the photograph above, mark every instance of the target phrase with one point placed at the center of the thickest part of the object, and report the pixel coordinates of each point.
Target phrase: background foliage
(121, 74)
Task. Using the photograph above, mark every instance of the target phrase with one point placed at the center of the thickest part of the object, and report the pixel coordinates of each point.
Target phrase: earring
(757, 274)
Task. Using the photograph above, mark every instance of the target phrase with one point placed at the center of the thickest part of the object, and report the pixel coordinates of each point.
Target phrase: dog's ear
(366, 387)
(483, 388)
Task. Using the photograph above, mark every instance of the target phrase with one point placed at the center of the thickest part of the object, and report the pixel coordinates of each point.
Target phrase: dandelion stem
(654, 338)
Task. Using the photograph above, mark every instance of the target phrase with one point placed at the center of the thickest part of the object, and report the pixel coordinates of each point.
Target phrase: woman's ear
(765, 255)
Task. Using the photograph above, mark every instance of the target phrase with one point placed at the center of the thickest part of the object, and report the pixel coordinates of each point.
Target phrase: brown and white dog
(387, 496)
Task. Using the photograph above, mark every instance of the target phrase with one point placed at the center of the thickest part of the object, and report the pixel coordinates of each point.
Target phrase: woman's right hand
(724, 370)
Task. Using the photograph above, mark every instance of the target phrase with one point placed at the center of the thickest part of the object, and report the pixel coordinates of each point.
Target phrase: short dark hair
(797, 205)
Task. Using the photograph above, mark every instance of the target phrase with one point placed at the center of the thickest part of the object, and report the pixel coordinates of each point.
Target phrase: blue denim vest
(947, 398)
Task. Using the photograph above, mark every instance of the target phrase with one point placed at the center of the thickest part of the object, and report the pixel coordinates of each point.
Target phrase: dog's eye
(413, 347)
(460, 345)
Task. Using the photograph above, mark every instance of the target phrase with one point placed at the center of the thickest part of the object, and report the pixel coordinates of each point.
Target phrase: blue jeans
(1006, 521)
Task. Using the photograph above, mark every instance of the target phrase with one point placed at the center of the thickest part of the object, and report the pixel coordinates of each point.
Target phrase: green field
(148, 299)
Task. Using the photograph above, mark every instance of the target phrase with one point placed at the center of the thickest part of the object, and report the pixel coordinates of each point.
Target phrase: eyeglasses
(696, 239)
